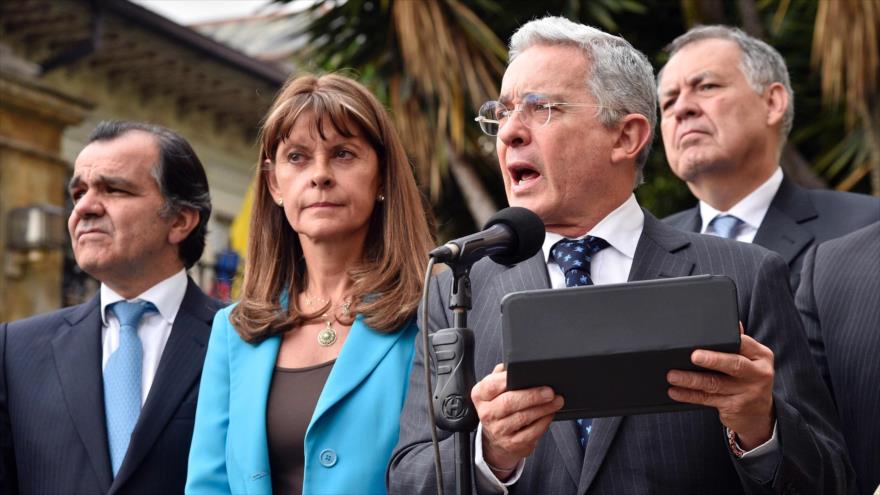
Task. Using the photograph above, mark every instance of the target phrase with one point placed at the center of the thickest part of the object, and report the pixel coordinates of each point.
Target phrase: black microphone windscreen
(528, 230)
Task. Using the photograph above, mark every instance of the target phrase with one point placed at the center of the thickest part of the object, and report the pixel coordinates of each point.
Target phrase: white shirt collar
(752, 208)
(167, 296)
(621, 229)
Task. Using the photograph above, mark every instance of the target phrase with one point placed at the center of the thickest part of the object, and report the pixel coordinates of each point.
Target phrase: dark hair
(179, 174)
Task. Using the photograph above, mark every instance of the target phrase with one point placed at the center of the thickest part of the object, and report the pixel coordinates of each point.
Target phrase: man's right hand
(513, 421)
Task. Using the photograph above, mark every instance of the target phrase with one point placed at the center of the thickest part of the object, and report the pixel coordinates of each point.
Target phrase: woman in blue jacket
(305, 377)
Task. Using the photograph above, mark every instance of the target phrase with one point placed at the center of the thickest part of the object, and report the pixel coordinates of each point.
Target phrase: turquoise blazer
(352, 432)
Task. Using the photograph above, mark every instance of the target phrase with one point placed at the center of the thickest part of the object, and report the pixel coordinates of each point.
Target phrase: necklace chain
(327, 336)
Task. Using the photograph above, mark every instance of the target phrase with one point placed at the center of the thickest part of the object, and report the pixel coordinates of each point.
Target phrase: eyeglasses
(534, 111)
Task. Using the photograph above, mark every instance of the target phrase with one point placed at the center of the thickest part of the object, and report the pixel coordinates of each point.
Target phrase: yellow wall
(32, 120)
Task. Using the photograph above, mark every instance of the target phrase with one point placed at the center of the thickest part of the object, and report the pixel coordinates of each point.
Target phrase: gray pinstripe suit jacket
(839, 301)
(673, 453)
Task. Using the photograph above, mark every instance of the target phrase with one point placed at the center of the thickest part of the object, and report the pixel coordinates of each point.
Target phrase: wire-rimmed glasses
(534, 111)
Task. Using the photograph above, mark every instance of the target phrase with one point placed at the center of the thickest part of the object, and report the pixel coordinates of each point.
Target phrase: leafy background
(433, 62)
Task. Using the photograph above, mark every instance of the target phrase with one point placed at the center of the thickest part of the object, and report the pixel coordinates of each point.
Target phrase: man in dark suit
(573, 124)
(101, 397)
(839, 301)
(726, 109)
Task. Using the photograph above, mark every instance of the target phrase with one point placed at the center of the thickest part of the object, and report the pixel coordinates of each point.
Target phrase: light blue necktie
(122, 379)
(574, 258)
(725, 226)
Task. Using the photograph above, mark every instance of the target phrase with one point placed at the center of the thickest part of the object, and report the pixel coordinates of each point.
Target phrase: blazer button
(328, 458)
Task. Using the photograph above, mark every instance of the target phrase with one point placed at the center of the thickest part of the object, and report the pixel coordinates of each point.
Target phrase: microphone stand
(454, 360)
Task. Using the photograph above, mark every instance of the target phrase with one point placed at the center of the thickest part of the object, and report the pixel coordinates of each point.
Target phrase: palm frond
(846, 51)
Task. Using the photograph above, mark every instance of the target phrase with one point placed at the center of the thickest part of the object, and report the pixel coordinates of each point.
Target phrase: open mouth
(522, 173)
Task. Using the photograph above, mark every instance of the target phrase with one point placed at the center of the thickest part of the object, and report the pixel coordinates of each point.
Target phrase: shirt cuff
(761, 462)
(486, 480)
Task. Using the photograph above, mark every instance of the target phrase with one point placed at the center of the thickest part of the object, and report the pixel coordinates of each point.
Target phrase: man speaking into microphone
(573, 125)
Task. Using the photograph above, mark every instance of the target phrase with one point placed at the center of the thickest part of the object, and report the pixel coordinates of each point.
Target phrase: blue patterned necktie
(122, 379)
(724, 226)
(574, 258)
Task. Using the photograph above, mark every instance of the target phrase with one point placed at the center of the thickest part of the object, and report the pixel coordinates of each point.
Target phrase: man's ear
(634, 133)
(776, 99)
(184, 222)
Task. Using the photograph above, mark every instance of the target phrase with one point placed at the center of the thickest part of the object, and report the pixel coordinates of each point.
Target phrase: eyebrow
(75, 182)
(692, 80)
(356, 141)
(107, 180)
(506, 99)
(700, 77)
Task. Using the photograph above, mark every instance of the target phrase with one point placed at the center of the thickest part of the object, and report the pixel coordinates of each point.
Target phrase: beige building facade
(65, 66)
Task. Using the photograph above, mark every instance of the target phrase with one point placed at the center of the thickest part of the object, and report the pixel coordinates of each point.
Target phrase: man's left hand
(740, 387)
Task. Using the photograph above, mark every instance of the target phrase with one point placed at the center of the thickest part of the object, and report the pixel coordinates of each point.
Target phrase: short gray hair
(620, 77)
(760, 63)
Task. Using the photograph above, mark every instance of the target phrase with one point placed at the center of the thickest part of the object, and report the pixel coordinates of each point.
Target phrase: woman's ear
(271, 180)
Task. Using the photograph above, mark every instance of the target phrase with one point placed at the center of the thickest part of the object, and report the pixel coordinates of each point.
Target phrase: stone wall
(33, 118)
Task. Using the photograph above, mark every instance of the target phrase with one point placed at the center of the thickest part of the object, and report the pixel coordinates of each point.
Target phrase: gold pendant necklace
(327, 336)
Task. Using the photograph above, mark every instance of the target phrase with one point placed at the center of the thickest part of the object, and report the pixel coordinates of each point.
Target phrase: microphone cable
(435, 443)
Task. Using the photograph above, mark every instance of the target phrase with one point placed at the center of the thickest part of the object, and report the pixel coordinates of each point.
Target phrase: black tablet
(607, 348)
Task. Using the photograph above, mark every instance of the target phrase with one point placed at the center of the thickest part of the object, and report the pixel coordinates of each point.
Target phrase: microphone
(512, 235)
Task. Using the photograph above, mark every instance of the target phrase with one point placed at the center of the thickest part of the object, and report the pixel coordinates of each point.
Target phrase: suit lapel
(781, 229)
(530, 275)
(690, 221)
(179, 369)
(250, 384)
(658, 255)
(658, 252)
(364, 348)
(565, 436)
(603, 433)
(77, 353)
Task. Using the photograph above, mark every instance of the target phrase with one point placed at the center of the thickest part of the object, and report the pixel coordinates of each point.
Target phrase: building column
(32, 120)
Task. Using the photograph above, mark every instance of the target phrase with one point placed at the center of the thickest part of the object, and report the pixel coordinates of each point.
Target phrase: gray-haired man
(726, 109)
(573, 123)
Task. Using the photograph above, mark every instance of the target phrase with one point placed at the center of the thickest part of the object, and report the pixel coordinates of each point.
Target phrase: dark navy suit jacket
(839, 301)
(799, 218)
(53, 435)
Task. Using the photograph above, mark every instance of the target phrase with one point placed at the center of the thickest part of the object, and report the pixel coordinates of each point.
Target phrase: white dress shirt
(622, 229)
(751, 209)
(154, 329)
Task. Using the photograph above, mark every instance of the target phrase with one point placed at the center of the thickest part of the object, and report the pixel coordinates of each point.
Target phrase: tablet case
(607, 348)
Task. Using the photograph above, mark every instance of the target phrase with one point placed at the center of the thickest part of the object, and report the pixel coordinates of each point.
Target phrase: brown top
(293, 396)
